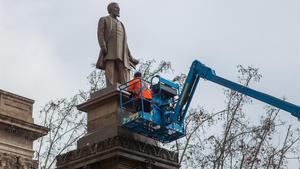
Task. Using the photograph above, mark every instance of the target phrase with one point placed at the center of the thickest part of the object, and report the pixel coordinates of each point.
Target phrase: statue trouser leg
(110, 72)
(116, 72)
(123, 73)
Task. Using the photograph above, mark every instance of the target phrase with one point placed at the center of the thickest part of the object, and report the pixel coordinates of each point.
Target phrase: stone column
(109, 146)
(17, 132)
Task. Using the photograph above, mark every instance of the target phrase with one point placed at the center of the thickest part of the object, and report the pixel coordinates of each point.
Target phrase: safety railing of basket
(129, 105)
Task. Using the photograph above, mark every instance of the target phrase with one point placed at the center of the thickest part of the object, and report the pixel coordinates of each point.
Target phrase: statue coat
(104, 33)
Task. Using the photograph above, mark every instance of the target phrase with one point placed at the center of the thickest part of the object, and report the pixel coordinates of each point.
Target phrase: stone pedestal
(103, 114)
(108, 146)
(17, 131)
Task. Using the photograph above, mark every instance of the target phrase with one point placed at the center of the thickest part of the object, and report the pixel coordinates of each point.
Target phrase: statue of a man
(114, 57)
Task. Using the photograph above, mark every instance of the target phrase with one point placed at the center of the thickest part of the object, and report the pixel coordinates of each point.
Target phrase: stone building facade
(17, 132)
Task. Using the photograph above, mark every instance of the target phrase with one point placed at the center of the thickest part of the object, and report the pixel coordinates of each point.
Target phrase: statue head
(113, 9)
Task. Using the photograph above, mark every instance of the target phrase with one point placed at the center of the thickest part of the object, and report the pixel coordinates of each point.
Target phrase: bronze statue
(114, 57)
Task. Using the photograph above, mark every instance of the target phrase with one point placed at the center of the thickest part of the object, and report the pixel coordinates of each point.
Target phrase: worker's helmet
(137, 74)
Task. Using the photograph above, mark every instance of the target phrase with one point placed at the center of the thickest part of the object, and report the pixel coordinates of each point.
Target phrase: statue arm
(101, 33)
(132, 60)
(129, 53)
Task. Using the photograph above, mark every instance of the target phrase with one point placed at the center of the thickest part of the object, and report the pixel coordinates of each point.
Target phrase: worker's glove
(132, 94)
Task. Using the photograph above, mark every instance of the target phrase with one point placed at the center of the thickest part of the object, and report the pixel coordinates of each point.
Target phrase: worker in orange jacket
(140, 89)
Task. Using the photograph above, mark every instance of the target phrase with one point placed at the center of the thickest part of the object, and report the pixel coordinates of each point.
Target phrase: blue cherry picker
(165, 122)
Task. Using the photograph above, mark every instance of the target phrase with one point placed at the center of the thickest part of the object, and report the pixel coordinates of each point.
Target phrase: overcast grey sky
(47, 47)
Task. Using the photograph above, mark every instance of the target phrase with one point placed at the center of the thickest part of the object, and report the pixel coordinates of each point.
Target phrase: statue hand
(134, 61)
(104, 50)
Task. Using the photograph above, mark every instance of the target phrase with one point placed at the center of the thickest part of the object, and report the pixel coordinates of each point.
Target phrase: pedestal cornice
(120, 147)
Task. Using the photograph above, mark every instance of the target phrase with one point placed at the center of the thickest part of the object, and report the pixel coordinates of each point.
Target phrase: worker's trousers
(116, 72)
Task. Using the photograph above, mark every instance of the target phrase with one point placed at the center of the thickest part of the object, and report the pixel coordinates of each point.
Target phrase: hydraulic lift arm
(199, 70)
(165, 122)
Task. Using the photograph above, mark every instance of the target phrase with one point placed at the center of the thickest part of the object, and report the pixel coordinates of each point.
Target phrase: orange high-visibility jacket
(140, 89)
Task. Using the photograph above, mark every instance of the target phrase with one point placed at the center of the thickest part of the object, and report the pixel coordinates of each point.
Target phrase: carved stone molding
(121, 142)
(22, 128)
(9, 161)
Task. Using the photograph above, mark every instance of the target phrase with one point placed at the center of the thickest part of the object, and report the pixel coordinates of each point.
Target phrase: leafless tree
(227, 139)
(66, 125)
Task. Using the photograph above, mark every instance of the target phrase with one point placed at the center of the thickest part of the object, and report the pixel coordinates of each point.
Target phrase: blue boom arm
(199, 70)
